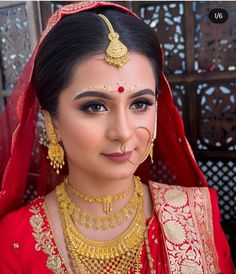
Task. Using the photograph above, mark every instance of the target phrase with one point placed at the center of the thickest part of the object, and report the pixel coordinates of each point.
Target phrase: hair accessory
(116, 52)
(55, 150)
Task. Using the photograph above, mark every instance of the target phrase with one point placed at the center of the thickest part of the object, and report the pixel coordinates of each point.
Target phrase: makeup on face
(107, 92)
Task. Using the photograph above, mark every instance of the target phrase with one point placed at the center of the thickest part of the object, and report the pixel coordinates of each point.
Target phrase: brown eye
(142, 104)
(93, 107)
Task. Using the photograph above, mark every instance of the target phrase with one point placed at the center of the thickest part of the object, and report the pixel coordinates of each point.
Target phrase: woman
(97, 75)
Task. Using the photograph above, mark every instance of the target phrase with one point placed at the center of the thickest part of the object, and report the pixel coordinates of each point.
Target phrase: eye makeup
(90, 106)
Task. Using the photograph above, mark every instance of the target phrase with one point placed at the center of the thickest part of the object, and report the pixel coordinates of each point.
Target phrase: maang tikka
(55, 150)
(116, 52)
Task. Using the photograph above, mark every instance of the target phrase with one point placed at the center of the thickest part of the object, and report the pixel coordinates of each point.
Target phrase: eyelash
(88, 105)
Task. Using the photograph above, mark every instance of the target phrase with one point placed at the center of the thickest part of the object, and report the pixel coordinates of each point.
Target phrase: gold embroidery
(43, 239)
(175, 238)
(185, 217)
(175, 198)
(67, 9)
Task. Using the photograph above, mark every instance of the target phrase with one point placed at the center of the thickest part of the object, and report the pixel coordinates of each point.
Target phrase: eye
(142, 104)
(93, 107)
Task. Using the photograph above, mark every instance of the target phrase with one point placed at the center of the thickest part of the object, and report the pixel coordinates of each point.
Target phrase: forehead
(94, 71)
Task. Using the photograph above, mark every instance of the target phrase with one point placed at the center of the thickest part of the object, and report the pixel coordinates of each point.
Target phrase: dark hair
(81, 35)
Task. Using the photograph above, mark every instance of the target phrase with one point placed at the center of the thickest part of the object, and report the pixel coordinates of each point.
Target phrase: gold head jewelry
(106, 200)
(116, 52)
(55, 151)
(118, 255)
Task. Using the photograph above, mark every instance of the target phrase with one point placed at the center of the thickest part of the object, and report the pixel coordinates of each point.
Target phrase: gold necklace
(106, 200)
(117, 218)
(113, 256)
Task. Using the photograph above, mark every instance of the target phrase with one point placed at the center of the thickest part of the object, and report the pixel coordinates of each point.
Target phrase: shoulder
(179, 196)
(16, 223)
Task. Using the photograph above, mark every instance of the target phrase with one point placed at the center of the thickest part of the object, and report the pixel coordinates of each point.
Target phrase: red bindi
(121, 89)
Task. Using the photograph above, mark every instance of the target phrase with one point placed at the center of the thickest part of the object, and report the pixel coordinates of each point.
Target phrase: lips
(118, 157)
(118, 154)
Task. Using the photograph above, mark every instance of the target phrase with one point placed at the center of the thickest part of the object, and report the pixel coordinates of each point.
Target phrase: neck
(95, 186)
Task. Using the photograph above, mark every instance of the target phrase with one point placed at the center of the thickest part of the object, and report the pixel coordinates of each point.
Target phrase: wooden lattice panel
(15, 43)
(216, 116)
(161, 173)
(168, 18)
(221, 176)
(214, 44)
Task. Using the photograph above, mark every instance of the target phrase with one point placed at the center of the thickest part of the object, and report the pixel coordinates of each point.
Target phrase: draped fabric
(32, 248)
(21, 155)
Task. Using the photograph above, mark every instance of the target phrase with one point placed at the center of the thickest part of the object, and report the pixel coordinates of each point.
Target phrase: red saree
(184, 236)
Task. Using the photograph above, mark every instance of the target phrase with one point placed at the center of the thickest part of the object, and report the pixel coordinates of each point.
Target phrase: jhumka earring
(150, 153)
(55, 150)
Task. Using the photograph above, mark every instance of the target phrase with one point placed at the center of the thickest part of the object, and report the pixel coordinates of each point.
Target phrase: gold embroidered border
(44, 239)
(185, 217)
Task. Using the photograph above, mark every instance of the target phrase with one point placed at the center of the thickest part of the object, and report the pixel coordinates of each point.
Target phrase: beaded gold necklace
(97, 222)
(106, 200)
(113, 256)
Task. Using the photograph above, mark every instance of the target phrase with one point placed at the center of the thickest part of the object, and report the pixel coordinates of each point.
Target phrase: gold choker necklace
(114, 256)
(97, 222)
(106, 200)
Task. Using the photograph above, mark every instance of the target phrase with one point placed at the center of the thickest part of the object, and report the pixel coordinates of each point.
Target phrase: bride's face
(104, 107)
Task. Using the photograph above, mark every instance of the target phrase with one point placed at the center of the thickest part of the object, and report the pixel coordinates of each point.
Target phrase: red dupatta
(174, 162)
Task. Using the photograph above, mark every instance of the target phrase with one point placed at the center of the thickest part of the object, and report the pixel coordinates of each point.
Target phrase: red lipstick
(118, 157)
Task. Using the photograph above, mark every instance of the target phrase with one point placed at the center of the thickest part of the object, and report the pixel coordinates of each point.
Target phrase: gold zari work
(96, 222)
(113, 256)
(116, 52)
(106, 201)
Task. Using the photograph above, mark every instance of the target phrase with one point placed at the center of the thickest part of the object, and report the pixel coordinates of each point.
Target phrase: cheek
(80, 133)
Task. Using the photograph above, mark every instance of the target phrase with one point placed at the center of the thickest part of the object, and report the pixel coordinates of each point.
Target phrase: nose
(120, 128)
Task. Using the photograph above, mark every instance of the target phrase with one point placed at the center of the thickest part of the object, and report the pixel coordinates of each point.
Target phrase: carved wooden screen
(17, 39)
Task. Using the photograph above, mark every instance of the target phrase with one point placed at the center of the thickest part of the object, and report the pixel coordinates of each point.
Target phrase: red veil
(21, 156)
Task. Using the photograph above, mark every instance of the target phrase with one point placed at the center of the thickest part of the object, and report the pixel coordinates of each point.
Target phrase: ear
(51, 125)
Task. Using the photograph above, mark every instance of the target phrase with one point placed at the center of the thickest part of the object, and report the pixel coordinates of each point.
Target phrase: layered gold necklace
(113, 256)
(106, 200)
(109, 221)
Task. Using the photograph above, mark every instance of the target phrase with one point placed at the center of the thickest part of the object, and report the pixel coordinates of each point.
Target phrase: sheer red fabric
(21, 156)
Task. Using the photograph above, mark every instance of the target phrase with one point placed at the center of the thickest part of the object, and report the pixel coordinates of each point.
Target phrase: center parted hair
(80, 36)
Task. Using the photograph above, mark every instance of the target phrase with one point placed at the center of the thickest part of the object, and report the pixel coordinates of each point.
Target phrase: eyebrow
(104, 95)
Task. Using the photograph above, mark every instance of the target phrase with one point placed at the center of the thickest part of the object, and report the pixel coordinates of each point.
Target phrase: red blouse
(174, 243)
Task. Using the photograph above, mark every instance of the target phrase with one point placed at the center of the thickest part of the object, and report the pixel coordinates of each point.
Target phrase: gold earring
(55, 150)
(150, 153)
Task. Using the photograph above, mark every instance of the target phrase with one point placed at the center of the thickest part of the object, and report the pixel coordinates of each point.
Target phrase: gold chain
(113, 256)
(106, 200)
(96, 222)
